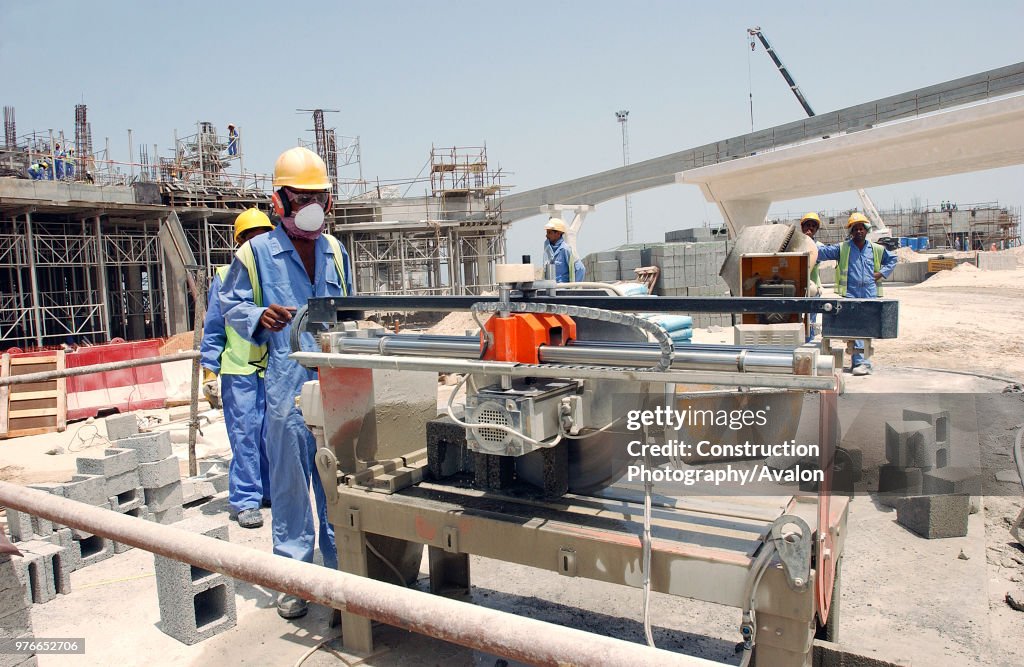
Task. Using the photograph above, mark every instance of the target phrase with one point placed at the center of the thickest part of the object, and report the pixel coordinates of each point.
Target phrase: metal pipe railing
(44, 376)
(495, 632)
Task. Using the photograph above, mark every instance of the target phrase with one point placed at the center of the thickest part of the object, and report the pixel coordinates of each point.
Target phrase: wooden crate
(35, 407)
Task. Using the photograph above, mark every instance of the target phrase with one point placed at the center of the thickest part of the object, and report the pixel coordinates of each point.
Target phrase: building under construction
(968, 227)
(92, 249)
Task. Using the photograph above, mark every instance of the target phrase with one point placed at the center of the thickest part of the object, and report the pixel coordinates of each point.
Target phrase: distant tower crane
(623, 118)
(881, 229)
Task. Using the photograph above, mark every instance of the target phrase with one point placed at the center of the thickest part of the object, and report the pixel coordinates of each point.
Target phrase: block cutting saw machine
(531, 468)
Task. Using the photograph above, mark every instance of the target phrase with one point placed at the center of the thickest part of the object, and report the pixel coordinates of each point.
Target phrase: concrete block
(13, 594)
(113, 462)
(160, 473)
(935, 517)
(94, 549)
(15, 622)
(955, 480)
(65, 539)
(43, 527)
(895, 483)
(123, 483)
(127, 501)
(19, 525)
(195, 604)
(55, 570)
(40, 588)
(447, 453)
(164, 497)
(122, 426)
(219, 481)
(938, 418)
(170, 515)
(149, 447)
(991, 261)
(88, 489)
(902, 438)
(196, 489)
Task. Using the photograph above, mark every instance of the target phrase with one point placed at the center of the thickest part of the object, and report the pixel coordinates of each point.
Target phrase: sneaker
(250, 518)
(292, 606)
(862, 369)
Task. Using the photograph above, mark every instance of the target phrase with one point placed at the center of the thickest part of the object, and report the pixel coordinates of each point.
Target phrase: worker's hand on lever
(878, 275)
(276, 317)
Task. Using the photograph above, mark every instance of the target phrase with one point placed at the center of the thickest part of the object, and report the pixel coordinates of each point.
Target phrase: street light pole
(623, 118)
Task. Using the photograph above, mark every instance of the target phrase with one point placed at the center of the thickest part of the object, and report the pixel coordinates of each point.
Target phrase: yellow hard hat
(301, 169)
(557, 224)
(811, 216)
(252, 218)
(856, 217)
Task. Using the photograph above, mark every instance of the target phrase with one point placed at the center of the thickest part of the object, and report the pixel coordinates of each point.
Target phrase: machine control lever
(794, 549)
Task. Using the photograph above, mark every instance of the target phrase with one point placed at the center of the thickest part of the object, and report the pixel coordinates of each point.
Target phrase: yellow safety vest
(844, 265)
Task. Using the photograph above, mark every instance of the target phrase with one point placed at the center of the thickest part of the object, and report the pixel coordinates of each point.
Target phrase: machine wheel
(830, 631)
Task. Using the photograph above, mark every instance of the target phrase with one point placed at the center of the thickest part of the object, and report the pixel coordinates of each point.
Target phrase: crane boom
(756, 32)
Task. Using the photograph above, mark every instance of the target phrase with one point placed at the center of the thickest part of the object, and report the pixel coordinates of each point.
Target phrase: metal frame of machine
(776, 559)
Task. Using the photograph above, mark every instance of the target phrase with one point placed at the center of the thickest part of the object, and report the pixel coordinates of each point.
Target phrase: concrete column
(37, 312)
(101, 280)
(483, 264)
(136, 316)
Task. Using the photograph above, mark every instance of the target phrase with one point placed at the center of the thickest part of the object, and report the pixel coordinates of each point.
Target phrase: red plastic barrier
(124, 390)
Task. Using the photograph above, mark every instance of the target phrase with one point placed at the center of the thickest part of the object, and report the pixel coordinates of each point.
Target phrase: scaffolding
(970, 227)
(447, 242)
(340, 154)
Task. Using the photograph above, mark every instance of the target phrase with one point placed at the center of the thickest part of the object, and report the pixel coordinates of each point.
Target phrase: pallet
(36, 407)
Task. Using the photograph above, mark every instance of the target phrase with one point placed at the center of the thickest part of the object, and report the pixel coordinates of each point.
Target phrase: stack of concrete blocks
(691, 269)
(195, 604)
(15, 612)
(604, 267)
(80, 548)
(159, 474)
(931, 498)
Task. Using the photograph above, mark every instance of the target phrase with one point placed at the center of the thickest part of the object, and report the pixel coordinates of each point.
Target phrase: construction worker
(809, 225)
(568, 267)
(859, 273)
(232, 140)
(270, 277)
(240, 366)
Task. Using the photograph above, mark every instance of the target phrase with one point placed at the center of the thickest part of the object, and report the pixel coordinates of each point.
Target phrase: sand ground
(901, 595)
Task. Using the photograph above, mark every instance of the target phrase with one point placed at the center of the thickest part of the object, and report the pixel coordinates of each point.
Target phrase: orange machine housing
(519, 337)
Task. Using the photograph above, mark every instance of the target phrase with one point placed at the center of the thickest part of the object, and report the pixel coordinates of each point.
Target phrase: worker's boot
(292, 606)
(250, 518)
(862, 369)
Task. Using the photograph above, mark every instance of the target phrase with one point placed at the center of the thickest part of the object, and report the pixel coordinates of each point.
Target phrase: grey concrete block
(16, 622)
(13, 593)
(170, 515)
(123, 483)
(164, 498)
(935, 517)
(43, 527)
(40, 589)
(19, 525)
(195, 604)
(113, 462)
(94, 549)
(149, 447)
(54, 561)
(127, 501)
(160, 473)
(955, 480)
(88, 489)
(940, 419)
(195, 489)
(122, 426)
(219, 481)
(902, 438)
(72, 551)
(895, 483)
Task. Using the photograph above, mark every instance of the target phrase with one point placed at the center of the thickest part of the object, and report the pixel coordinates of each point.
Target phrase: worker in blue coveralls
(861, 267)
(232, 139)
(568, 267)
(240, 365)
(269, 278)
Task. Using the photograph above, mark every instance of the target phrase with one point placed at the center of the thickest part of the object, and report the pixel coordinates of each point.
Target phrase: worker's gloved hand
(276, 317)
(211, 389)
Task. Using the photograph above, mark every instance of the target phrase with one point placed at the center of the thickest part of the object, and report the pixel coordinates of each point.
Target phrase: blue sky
(539, 82)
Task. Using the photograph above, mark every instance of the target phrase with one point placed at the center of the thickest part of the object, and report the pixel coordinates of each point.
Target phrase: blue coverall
(290, 444)
(561, 255)
(860, 280)
(244, 402)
